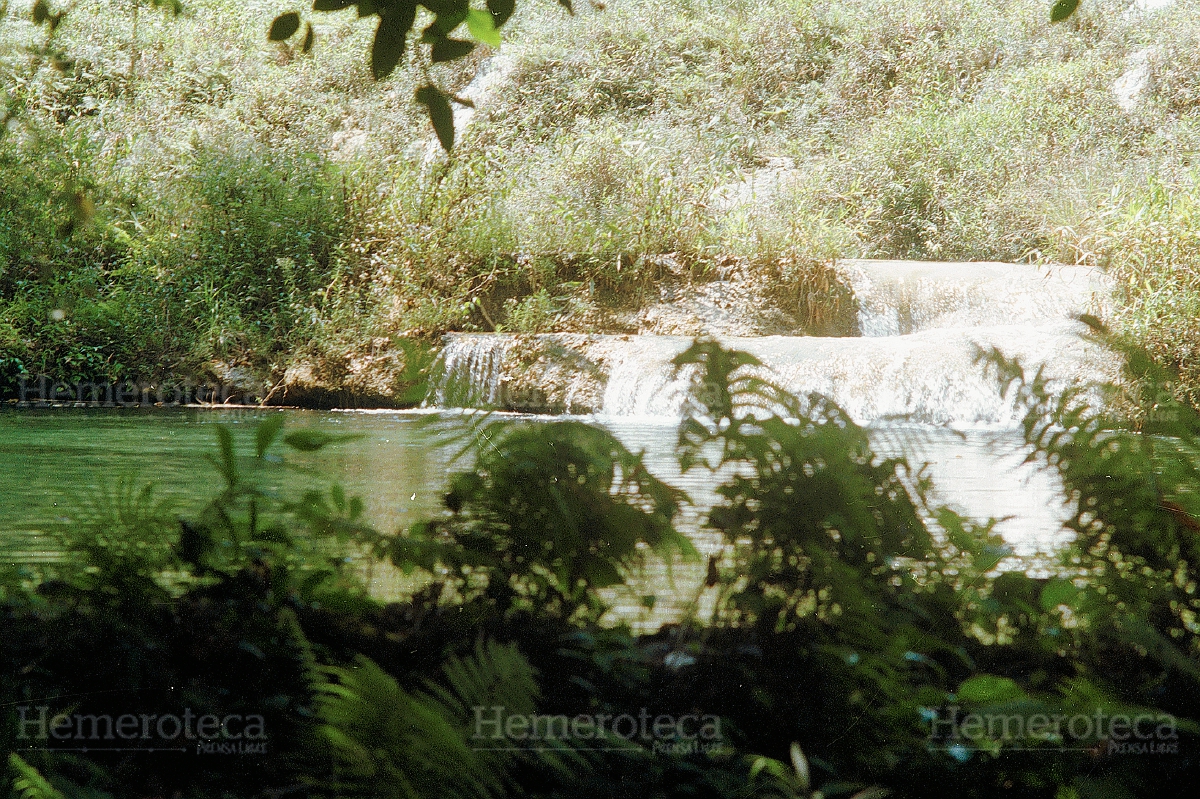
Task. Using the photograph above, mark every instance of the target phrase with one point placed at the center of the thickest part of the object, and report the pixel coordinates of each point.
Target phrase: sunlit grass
(777, 133)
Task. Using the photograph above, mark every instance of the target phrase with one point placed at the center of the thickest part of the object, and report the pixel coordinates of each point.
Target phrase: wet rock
(370, 379)
(238, 384)
(554, 373)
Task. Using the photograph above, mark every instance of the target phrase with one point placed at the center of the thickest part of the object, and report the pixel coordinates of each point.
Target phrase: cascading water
(911, 375)
(929, 377)
(899, 297)
(922, 325)
(471, 368)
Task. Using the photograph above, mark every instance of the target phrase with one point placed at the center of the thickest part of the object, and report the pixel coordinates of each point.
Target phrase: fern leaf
(389, 744)
(306, 659)
(29, 783)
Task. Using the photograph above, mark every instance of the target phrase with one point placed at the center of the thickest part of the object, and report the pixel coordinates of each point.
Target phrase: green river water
(54, 461)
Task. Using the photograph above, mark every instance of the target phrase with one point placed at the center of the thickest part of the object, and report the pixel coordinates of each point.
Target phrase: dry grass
(777, 132)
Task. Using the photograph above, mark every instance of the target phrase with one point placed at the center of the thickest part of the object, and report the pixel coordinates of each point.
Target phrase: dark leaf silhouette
(501, 10)
(284, 27)
(450, 49)
(390, 39)
(438, 106)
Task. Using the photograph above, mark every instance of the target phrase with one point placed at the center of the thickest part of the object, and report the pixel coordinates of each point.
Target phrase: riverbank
(184, 201)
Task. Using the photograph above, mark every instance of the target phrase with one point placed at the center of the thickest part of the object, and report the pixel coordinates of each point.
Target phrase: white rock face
(345, 143)
(899, 297)
(759, 187)
(1137, 79)
(720, 307)
(492, 73)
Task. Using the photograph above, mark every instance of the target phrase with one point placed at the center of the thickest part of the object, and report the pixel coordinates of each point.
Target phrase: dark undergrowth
(856, 641)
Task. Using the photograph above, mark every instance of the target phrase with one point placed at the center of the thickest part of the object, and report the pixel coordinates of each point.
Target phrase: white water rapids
(911, 375)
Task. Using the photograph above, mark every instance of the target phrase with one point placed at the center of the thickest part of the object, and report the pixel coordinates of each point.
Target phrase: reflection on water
(982, 474)
(50, 459)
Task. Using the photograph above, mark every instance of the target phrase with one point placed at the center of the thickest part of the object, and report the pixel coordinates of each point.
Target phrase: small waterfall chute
(469, 372)
(929, 377)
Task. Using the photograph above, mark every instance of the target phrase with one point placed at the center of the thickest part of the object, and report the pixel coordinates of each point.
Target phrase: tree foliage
(437, 41)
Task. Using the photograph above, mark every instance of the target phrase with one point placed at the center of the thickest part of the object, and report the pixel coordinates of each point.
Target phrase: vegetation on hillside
(854, 632)
(180, 195)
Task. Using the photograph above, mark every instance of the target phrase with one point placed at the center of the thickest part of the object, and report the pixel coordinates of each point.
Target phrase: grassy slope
(261, 209)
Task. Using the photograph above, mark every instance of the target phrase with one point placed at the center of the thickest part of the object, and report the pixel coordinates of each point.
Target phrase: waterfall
(911, 374)
(922, 326)
(470, 372)
(929, 377)
(899, 297)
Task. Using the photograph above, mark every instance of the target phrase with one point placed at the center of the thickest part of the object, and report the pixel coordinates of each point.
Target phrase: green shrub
(249, 242)
(547, 516)
(1147, 238)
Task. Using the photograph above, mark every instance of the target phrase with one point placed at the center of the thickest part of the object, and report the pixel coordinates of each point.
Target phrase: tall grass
(1148, 238)
(259, 207)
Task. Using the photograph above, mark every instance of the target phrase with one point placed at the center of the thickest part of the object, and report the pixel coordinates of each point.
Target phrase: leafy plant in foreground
(28, 783)
(827, 563)
(1133, 510)
(548, 515)
(304, 541)
(389, 742)
(851, 620)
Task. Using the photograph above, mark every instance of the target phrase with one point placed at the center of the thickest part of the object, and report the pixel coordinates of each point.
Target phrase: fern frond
(301, 647)
(440, 741)
(497, 676)
(29, 783)
(119, 527)
(390, 744)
